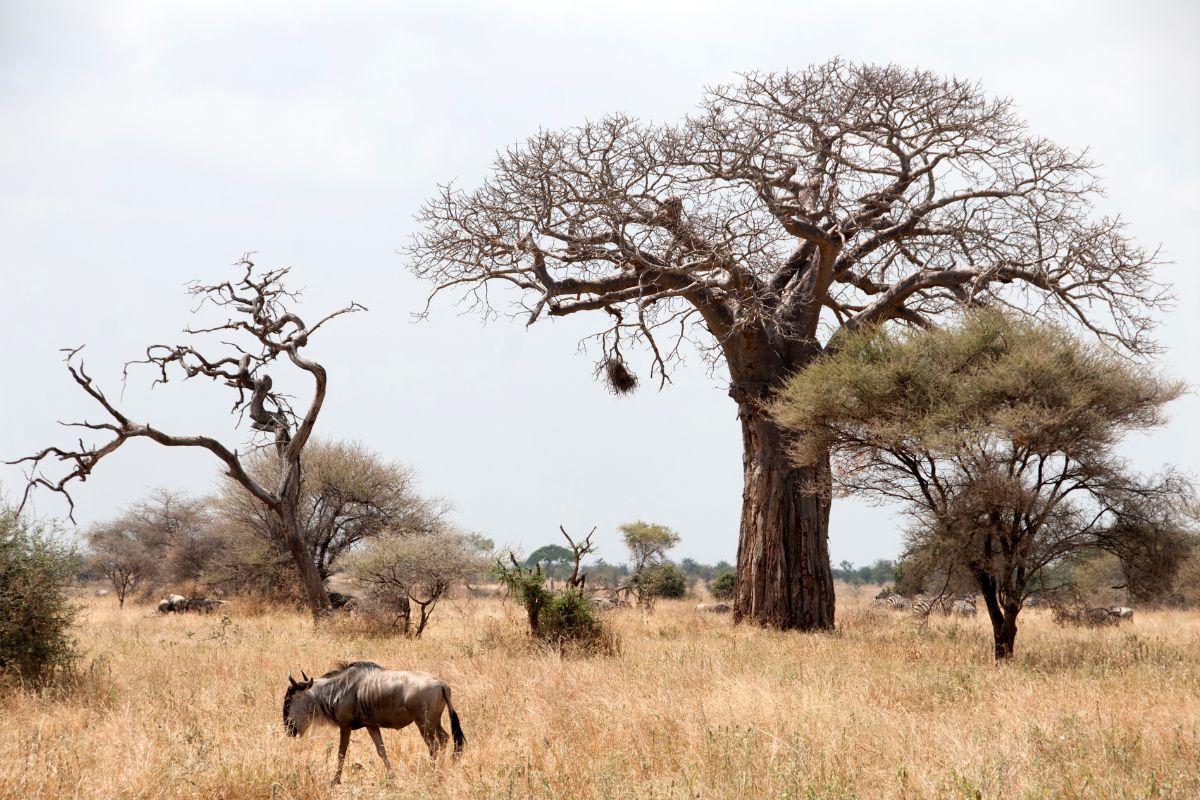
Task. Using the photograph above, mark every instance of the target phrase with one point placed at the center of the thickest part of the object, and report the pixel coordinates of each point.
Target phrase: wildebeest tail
(455, 728)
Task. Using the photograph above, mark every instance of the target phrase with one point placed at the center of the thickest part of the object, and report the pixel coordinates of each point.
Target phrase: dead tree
(258, 307)
(788, 208)
(578, 551)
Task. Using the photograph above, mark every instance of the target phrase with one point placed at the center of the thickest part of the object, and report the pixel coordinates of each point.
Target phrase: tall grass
(691, 707)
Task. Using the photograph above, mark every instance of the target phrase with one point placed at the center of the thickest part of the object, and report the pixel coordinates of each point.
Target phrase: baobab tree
(259, 312)
(787, 208)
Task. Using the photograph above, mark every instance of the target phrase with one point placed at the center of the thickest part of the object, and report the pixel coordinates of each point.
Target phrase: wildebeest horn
(292, 680)
(306, 678)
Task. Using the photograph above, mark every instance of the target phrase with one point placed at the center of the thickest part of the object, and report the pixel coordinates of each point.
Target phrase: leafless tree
(258, 309)
(789, 207)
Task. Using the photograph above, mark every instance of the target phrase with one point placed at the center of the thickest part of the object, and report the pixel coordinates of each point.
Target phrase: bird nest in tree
(618, 377)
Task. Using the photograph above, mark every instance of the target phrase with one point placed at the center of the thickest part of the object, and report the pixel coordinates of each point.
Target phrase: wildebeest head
(297, 706)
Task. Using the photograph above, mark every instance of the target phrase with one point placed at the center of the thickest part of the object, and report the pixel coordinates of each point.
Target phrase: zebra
(892, 601)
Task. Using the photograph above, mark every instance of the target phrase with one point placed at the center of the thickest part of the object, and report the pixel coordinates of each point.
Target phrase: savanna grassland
(692, 707)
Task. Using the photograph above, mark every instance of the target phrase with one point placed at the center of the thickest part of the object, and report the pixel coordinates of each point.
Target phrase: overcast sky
(146, 144)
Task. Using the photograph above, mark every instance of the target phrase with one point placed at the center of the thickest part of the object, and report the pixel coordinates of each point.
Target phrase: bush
(722, 587)
(563, 618)
(36, 614)
(661, 580)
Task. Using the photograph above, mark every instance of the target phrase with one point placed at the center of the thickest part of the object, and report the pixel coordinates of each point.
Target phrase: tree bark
(784, 578)
(1003, 618)
(310, 578)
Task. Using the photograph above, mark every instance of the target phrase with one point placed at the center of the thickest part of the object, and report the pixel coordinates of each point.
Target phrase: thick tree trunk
(310, 578)
(784, 578)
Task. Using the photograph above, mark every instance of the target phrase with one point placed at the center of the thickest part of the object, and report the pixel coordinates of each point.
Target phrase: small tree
(997, 436)
(648, 545)
(259, 313)
(36, 614)
(401, 570)
(119, 555)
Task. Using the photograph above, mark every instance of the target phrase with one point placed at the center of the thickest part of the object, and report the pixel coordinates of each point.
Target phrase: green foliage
(568, 616)
(563, 618)
(722, 586)
(36, 614)
(661, 580)
(992, 375)
(647, 542)
(555, 558)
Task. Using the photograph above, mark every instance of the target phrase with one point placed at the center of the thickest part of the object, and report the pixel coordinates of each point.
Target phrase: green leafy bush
(36, 613)
(722, 586)
(661, 580)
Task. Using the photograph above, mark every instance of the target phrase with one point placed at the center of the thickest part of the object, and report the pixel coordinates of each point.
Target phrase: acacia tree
(400, 570)
(348, 494)
(120, 555)
(997, 438)
(788, 207)
(648, 545)
(259, 312)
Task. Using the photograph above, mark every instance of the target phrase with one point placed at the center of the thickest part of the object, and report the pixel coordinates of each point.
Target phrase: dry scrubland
(189, 707)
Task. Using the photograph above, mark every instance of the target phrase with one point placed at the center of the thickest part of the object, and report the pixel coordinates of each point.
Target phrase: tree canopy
(999, 438)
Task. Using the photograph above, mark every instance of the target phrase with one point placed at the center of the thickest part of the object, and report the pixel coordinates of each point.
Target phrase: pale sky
(146, 144)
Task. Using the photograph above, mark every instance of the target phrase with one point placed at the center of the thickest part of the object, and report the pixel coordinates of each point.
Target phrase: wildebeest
(363, 694)
(1121, 613)
(1090, 617)
(202, 604)
(602, 604)
(101, 592)
(172, 603)
(713, 608)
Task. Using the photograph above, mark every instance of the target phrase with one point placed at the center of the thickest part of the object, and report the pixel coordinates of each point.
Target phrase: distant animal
(363, 694)
(202, 604)
(713, 608)
(1088, 617)
(891, 600)
(1122, 613)
(963, 608)
(101, 592)
(172, 603)
(602, 604)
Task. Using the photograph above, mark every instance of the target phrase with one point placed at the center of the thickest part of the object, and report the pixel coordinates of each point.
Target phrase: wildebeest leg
(378, 740)
(342, 745)
(441, 735)
(430, 737)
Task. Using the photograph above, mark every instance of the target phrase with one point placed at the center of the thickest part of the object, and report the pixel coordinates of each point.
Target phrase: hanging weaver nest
(618, 377)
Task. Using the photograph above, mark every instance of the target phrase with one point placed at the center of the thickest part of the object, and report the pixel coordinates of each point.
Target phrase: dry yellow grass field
(695, 707)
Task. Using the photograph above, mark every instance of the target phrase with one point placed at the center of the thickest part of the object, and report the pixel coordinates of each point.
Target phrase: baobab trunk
(784, 579)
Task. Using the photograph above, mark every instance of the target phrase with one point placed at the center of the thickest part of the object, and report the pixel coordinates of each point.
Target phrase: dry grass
(189, 707)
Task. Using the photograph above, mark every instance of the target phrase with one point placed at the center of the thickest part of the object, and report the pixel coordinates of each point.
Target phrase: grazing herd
(177, 604)
(964, 605)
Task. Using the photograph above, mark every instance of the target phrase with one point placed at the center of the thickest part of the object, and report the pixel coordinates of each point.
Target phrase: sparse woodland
(912, 298)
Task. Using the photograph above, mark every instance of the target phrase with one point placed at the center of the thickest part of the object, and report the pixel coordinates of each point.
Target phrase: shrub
(563, 618)
(36, 614)
(722, 587)
(661, 580)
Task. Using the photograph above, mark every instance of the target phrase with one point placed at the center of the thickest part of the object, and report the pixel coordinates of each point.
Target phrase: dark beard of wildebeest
(365, 695)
